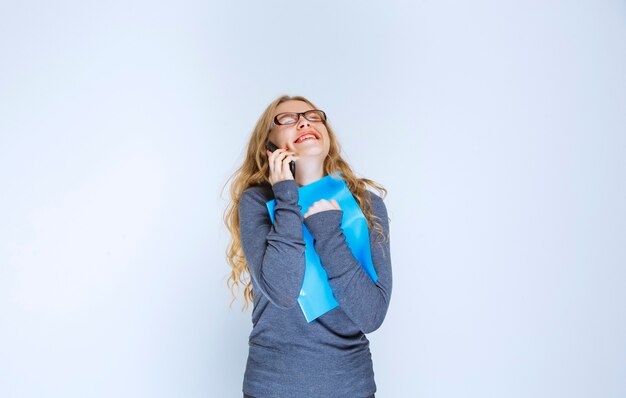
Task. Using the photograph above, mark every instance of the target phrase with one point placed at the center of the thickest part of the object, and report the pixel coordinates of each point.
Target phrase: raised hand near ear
(279, 164)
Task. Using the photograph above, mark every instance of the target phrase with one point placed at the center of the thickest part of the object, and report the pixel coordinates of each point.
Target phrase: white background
(498, 127)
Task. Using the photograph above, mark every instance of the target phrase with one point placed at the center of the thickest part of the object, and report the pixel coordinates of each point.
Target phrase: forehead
(293, 106)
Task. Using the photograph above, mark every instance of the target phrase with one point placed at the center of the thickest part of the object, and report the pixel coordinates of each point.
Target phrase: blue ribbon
(316, 296)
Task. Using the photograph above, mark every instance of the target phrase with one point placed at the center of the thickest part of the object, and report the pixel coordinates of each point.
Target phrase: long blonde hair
(255, 170)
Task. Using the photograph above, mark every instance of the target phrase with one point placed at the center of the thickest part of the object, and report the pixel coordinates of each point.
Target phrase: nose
(304, 123)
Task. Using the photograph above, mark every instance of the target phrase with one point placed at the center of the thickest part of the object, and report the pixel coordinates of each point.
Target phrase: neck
(308, 170)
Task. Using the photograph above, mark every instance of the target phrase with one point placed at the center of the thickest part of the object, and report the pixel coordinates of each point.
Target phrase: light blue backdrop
(499, 128)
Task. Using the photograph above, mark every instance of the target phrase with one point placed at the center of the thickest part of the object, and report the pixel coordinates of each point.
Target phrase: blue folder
(316, 297)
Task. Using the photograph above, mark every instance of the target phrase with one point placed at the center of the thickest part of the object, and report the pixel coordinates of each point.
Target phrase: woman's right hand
(279, 164)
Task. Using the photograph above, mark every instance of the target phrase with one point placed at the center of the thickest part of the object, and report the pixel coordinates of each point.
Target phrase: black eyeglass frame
(275, 122)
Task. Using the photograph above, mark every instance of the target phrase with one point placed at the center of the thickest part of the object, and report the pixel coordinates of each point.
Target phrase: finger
(311, 210)
(286, 167)
(272, 154)
(332, 205)
(278, 155)
(283, 153)
(270, 161)
(289, 158)
(278, 163)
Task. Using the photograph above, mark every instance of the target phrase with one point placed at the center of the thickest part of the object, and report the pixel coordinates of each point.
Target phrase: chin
(313, 152)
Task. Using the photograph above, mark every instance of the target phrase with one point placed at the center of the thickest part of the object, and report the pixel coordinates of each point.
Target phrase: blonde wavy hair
(255, 170)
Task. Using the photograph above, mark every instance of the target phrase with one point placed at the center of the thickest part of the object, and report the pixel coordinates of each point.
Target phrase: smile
(306, 136)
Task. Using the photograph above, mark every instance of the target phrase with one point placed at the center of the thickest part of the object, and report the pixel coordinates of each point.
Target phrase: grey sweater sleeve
(364, 301)
(274, 252)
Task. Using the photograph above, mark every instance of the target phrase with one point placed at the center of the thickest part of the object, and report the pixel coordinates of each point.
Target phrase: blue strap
(316, 296)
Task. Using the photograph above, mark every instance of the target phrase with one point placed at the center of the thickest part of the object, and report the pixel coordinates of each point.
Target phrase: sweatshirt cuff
(286, 191)
(323, 224)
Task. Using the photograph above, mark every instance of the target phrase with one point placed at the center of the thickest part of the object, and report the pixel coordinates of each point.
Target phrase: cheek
(326, 147)
(278, 138)
(326, 140)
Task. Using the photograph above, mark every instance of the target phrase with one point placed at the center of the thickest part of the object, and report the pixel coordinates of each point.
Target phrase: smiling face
(318, 142)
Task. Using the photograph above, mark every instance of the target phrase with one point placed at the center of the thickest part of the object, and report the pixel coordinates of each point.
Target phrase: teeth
(304, 137)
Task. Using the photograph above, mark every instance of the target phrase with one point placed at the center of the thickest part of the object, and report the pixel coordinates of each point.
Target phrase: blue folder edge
(316, 296)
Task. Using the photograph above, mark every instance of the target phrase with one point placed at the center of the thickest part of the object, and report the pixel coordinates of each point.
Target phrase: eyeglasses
(287, 118)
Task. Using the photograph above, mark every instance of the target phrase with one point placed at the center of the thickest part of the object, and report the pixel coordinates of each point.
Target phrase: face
(287, 136)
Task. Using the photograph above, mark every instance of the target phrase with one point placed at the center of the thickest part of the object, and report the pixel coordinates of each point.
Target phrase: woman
(288, 356)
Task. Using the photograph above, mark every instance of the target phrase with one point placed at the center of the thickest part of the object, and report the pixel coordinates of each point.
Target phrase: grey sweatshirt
(330, 356)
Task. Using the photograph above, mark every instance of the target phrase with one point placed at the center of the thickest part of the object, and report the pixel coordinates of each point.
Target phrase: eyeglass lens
(291, 118)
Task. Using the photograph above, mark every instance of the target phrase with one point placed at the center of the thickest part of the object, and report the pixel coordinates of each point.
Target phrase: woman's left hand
(322, 205)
